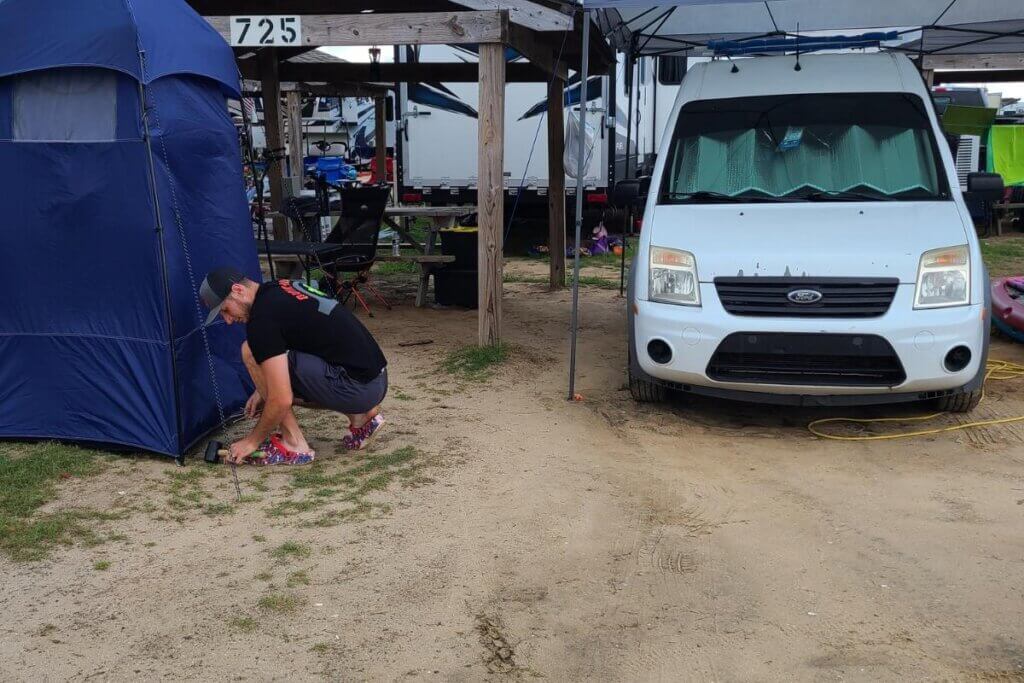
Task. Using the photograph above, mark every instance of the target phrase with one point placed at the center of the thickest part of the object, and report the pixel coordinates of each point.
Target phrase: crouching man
(302, 348)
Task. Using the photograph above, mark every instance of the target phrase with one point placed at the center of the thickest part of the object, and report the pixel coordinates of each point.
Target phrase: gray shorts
(316, 381)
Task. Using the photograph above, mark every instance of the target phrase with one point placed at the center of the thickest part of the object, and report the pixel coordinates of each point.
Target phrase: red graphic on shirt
(287, 287)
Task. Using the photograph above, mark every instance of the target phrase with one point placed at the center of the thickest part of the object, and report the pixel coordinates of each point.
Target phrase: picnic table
(440, 217)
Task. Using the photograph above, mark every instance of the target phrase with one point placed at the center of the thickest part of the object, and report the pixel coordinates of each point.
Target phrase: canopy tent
(122, 179)
(653, 27)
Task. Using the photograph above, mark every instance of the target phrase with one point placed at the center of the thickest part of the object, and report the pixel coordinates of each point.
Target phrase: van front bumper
(920, 339)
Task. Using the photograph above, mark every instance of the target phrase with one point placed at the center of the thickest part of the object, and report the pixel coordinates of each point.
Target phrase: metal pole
(579, 202)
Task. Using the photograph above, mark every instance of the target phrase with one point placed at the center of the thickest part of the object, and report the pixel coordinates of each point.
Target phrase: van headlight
(673, 277)
(944, 278)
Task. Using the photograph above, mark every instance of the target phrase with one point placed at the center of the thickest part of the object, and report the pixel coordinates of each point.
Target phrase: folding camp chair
(355, 235)
(312, 252)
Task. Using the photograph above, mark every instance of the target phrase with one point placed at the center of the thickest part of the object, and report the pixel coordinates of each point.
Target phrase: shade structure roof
(654, 27)
(146, 39)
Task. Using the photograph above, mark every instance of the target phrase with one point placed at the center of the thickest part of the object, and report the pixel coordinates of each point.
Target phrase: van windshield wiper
(717, 197)
(844, 196)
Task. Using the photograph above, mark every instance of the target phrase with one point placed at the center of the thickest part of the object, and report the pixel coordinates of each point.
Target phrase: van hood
(816, 239)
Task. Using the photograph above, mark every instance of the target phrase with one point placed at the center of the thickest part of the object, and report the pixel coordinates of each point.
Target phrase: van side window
(671, 69)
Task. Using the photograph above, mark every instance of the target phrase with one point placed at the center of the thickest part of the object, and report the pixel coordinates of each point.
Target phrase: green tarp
(1006, 153)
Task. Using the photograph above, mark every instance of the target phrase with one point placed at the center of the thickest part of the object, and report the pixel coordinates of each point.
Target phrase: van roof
(828, 73)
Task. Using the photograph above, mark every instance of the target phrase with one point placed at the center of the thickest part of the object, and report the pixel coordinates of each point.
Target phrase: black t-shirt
(289, 316)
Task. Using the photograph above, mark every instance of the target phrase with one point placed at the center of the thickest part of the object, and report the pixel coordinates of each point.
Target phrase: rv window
(820, 147)
(671, 69)
(64, 105)
(307, 109)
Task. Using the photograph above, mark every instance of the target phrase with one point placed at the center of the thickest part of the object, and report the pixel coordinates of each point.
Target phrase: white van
(805, 241)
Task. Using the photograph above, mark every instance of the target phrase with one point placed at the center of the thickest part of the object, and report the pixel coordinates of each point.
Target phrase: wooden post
(491, 190)
(271, 88)
(380, 133)
(556, 181)
(293, 104)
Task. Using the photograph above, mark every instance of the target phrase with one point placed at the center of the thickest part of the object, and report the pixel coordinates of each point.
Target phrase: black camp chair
(304, 216)
(356, 234)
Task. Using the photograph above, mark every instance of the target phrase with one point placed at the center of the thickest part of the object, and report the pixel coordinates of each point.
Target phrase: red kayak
(1008, 306)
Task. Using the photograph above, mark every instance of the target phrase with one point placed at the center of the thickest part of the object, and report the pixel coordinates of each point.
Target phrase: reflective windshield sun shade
(877, 144)
(65, 105)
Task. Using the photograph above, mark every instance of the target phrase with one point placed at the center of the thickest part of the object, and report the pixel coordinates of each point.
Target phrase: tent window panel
(65, 105)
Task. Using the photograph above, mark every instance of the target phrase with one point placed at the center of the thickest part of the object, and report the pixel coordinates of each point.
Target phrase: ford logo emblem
(804, 296)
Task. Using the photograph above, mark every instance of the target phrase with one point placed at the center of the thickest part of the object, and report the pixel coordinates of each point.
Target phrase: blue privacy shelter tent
(122, 186)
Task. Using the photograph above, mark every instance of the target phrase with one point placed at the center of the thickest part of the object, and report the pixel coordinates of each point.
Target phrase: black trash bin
(456, 283)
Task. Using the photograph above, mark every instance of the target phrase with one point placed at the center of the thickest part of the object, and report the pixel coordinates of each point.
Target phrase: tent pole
(584, 74)
(180, 459)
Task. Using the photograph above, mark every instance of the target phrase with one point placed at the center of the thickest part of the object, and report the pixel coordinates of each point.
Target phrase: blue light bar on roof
(732, 48)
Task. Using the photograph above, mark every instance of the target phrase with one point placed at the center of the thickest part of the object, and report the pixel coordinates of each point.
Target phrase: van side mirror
(989, 183)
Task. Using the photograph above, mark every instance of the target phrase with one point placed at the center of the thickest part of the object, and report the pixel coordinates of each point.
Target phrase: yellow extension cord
(995, 370)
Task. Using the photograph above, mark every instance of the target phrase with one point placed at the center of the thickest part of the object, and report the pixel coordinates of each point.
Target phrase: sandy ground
(539, 538)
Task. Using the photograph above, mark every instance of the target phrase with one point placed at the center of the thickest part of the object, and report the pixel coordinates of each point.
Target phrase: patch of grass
(400, 395)
(259, 538)
(242, 624)
(28, 480)
(250, 498)
(1003, 255)
(599, 282)
(395, 267)
(286, 508)
(215, 509)
(280, 602)
(475, 363)
(320, 648)
(101, 565)
(264, 576)
(149, 544)
(290, 550)
(299, 578)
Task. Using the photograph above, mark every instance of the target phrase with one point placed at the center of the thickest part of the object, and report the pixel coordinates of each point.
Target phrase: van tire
(960, 403)
(644, 391)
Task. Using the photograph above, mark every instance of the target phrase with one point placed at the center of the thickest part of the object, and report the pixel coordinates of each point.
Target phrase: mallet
(214, 452)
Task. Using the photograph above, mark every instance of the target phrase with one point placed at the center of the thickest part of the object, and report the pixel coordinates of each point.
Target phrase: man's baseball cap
(216, 287)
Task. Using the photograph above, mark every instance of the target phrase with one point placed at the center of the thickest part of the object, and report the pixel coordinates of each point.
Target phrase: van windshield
(820, 147)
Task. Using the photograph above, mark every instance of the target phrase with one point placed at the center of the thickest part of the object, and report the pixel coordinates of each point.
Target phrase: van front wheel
(960, 403)
(644, 391)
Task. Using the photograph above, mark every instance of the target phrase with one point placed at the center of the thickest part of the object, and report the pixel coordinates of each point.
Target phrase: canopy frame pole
(584, 75)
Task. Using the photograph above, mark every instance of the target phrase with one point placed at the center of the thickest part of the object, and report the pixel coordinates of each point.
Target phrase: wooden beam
(409, 28)
(380, 134)
(490, 191)
(556, 181)
(271, 87)
(293, 105)
(541, 54)
(983, 61)
(403, 72)
(251, 88)
(525, 13)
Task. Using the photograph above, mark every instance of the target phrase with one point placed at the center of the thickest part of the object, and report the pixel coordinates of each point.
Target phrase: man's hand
(254, 405)
(240, 449)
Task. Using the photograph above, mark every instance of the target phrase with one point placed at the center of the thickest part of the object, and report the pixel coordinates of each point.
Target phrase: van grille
(840, 297)
(807, 359)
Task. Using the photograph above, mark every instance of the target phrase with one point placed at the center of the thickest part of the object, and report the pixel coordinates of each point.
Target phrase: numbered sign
(266, 30)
